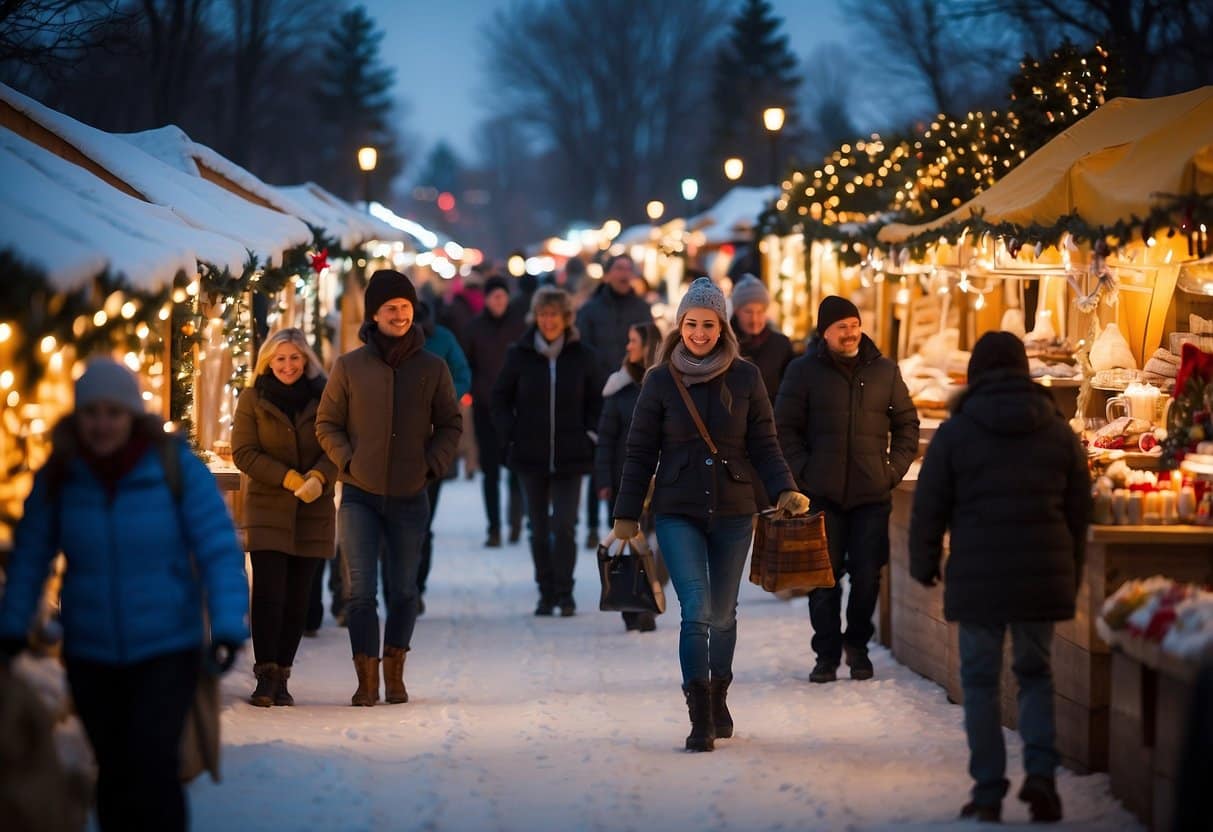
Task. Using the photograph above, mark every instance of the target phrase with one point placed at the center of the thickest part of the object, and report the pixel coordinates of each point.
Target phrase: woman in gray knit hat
(704, 495)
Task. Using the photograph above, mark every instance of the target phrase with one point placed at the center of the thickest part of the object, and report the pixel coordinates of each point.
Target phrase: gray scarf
(699, 370)
(549, 351)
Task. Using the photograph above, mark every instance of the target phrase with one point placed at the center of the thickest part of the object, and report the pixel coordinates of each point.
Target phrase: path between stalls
(518, 723)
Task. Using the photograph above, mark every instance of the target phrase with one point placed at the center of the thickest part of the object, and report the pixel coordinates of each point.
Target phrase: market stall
(1079, 250)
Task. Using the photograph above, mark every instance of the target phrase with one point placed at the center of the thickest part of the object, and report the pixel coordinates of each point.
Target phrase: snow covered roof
(634, 235)
(340, 218)
(735, 215)
(198, 202)
(63, 220)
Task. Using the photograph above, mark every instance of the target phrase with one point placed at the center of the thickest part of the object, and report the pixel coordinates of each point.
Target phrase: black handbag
(629, 579)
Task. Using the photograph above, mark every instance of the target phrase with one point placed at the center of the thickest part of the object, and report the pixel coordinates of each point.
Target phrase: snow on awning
(64, 221)
(735, 215)
(635, 235)
(342, 219)
(198, 202)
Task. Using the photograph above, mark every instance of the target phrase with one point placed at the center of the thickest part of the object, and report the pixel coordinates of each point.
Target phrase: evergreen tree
(755, 69)
(355, 102)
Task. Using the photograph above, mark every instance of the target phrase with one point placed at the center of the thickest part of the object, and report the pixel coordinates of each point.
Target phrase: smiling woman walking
(704, 495)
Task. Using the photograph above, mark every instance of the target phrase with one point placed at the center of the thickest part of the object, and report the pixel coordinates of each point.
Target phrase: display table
(923, 641)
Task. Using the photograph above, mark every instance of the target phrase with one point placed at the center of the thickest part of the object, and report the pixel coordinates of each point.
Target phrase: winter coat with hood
(618, 402)
(546, 412)
(848, 438)
(1006, 475)
(488, 341)
(604, 321)
(389, 430)
(266, 443)
(690, 481)
(129, 593)
(770, 351)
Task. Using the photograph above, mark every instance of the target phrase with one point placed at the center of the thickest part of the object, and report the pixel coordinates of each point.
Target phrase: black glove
(10, 648)
(222, 656)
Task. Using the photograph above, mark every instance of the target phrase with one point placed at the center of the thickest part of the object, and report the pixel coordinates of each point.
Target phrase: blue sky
(434, 47)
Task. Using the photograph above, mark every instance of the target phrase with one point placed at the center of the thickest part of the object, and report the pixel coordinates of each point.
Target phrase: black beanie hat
(997, 351)
(834, 309)
(386, 285)
(494, 283)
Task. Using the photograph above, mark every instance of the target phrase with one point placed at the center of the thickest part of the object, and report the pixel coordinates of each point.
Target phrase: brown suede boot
(283, 696)
(267, 684)
(368, 680)
(393, 675)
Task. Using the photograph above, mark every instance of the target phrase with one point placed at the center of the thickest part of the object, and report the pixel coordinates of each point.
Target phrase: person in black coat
(489, 337)
(546, 404)
(1006, 475)
(619, 397)
(763, 345)
(703, 500)
(849, 431)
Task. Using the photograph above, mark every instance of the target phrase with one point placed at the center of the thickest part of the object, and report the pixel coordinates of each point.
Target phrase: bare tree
(51, 34)
(618, 89)
(826, 103)
(174, 35)
(930, 47)
(510, 170)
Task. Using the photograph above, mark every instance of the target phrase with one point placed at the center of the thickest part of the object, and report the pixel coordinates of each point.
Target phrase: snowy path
(518, 723)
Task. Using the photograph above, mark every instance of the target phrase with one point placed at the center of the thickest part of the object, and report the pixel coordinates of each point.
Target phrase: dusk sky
(434, 46)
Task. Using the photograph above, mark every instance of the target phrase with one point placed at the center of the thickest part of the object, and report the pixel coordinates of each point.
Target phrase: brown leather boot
(267, 684)
(393, 675)
(367, 668)
(283, 696)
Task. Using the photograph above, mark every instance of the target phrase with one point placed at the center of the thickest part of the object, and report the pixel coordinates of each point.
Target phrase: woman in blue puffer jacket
(147, 537)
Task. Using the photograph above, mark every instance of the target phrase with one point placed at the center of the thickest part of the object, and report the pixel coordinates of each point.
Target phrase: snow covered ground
(518, 723)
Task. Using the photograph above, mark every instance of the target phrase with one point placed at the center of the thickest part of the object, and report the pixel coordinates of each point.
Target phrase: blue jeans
(705, 563)
(859, 546)
(551, 503)
(980, 668)
(396, 526)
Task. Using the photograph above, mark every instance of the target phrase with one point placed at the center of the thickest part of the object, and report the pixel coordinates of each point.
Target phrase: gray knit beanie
(105, 380)
(703, 294)
(750, 289)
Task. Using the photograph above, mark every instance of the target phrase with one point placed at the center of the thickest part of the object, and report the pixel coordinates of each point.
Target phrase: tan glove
(625, 529)
(314, 473)
(293, 480)
(793, 502)
(310, 490)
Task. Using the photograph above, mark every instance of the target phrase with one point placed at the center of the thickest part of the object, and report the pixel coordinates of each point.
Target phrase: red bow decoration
(320, 260)
(1193, 362)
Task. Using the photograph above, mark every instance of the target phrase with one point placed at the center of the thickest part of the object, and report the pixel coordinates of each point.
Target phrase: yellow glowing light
(192, 289)
(142, 330)
(6, 380)
(733, 168)
(178, 295)
(772, 118)
(13, 399)
(164, 313)
(131, 360)
(100, 318)
(128, 310)
(655, 209)
(368, 158)
(47, 345)
(516, 265)
(6, 331)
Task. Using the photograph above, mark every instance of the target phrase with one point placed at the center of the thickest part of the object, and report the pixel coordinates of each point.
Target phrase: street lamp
(690, 190)
(368, 157)
(655, 209)
(772, 119)
(733, 168)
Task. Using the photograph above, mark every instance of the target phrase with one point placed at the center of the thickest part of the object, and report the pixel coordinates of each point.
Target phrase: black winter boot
(1040, 793)
(267, 684)
(699, 706)
(283, 696)
(981, 812)
(859, 662)
(568, 607)
(824, 671)
(721, 718)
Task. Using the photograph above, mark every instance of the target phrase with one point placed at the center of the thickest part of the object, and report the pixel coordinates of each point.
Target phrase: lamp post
(772, 119)
(655, 209)
(733, 168)
(690, 190)
(368, 157)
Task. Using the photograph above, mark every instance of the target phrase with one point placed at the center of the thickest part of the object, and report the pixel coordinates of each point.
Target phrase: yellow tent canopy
(1105, 167)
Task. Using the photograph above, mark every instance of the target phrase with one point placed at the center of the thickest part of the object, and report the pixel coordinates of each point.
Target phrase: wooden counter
(923, 641)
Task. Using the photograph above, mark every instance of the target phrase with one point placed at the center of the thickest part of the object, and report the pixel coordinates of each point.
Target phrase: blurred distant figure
(546, 404)
(490, 336)
(603, 323)
(147, 538)
(761, 344)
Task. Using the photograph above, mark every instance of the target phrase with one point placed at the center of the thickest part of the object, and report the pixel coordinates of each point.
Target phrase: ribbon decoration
(319, 260)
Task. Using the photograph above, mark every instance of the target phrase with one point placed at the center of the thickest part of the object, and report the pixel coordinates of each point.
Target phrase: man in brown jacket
(390, 422)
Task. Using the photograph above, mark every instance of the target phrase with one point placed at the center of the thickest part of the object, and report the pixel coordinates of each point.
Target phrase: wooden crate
(1131, 734)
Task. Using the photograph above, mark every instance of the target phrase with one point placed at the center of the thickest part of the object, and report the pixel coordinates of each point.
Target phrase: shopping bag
(629, 579)
(791, 552)
(200, 736)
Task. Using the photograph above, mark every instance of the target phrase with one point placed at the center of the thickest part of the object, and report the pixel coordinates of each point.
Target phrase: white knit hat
(105, 380)
(703, 294)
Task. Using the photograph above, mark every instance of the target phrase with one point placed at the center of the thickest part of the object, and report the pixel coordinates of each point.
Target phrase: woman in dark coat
(703, 501)
(1006, 475)
(546, 404)
(618, 401)
(289, 515)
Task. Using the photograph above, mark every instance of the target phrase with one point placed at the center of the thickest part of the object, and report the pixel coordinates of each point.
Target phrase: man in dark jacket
(1009, 479)
(489, 338)
(849, 433)
(761, 344)
(603, 323)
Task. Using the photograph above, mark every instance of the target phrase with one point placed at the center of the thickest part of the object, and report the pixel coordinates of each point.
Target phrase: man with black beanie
(849, 432)
(390, 421)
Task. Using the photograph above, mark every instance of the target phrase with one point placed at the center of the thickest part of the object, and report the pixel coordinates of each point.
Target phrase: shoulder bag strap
(686, 397)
